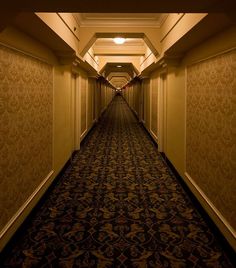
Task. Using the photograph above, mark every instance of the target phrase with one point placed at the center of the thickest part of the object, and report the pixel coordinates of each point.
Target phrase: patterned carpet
(117, 205)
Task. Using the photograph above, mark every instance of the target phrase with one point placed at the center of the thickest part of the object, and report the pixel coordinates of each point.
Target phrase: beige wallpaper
(25, 128)
(211, 130)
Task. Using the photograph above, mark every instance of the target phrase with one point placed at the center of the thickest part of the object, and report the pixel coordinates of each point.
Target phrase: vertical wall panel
(25, 128)
(146, 88)
(211, 136)
(83, 88)
(62, 116)
(154, 100)
(90, 101)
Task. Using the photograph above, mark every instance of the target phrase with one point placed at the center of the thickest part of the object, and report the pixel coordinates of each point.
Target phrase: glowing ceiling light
(119, 40)
(118, 66)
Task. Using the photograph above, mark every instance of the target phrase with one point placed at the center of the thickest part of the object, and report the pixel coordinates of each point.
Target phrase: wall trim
(172, 27)
(66, 24)
(223, 225)
(28, 54)
(86, 132)
(211, 56)
(83, 135)
(14, 223)
(154, 136)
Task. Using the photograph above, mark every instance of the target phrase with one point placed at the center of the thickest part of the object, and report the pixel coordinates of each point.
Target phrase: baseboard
(87, 132)
(15, 222)
(219, 220)
(82, 136)
(103, 110)
(154, 136)
(149, 133)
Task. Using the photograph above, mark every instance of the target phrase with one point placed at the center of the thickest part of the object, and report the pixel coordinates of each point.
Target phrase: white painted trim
(28, 54)
(83, 135)
(145, 59)
(154, 136)
(68, 27)
(87, 130)
(223, 225)
(134, 111)
(172, 27)
(17, 219)
(211, 56)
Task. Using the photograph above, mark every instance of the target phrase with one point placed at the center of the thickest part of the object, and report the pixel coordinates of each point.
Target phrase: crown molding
(140, 20)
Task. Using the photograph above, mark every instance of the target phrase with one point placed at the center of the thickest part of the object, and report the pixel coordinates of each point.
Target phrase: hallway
(117, 205)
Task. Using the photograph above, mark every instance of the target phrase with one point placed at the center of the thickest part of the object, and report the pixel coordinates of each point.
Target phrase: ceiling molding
(153, 20)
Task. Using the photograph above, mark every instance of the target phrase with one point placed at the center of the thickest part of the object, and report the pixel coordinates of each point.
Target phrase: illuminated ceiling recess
(119, 54)
(119, 40)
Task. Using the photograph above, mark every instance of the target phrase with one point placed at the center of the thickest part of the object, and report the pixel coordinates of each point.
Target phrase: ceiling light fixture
(118, 66)
(119, 40)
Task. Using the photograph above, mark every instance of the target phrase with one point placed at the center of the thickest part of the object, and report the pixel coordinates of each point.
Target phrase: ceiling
(127, 55)
(119, 6)
(132, 46)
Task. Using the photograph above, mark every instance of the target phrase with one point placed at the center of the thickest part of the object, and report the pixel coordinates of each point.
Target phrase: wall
(146, 89)
(176, 26)
(154, 105)
(147, 59)
(42, 106)
(83, 102)
(211, 139)
(200, 113)
(91, 96)
(91, 59)
(26, 91)
(131, 95)
(103, 97)
(211, 112)
(63, 25)
(175, 117)
(62, 113)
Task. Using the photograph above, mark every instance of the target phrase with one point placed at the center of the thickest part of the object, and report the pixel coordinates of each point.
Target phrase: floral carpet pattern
(117, 205)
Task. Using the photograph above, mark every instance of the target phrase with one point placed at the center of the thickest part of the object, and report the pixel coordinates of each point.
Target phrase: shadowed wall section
(83, 103)
(25, 128)
(211, 139)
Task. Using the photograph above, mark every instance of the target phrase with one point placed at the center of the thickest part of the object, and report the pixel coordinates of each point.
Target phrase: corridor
(117, 134)
(117, 204)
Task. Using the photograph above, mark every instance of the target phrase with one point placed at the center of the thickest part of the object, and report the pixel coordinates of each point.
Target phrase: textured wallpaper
(211, 130)
(25, 128)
